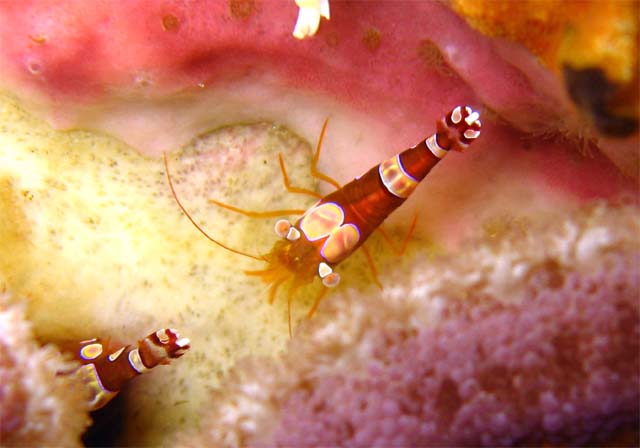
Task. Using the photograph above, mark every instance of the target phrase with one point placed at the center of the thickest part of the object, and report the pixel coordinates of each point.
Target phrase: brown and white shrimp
(340, 222)
(106, 371)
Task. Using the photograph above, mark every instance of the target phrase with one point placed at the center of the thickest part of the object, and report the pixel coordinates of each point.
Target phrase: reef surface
(93, 240)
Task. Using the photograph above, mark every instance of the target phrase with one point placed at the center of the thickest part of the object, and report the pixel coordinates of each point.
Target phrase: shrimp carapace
(106, 371)
(340, 222)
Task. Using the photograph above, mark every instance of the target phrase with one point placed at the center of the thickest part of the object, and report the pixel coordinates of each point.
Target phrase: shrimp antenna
(186, 213)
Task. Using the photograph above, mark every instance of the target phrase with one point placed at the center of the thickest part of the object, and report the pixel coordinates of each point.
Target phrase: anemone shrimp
(340, 222)
(105, 372)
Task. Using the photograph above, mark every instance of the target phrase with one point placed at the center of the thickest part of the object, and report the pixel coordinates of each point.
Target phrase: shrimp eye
(282, 227)
(329, 278)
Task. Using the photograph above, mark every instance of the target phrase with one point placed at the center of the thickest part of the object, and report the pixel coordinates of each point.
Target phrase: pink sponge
(562, 365)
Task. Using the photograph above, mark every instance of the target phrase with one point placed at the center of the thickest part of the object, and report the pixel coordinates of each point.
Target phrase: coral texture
(100, 247)
(37, 406)
(156, 73)
(528, 338)
(592, 45)
(598, 33)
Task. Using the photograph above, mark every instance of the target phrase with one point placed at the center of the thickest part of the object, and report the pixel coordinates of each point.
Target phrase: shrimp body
(105, 372)
(339, 223)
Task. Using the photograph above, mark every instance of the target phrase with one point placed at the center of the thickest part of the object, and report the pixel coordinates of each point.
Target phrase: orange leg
(317, 302)
(316, 157)
(313, 170)
(405, 241)
(273, 290)
(289, 298)
(253, 214)
(372, 266)
(290, 188)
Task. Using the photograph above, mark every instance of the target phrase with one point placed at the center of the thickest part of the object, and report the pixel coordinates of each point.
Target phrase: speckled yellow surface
(93, 240)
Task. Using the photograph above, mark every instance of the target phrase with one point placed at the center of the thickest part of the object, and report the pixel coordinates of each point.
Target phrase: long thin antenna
(186, 213)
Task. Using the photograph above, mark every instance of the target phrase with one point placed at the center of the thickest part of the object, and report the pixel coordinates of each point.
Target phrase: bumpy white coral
(37, 406)
(518, 340)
